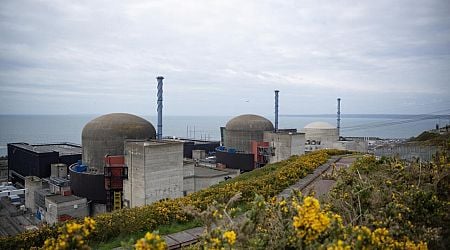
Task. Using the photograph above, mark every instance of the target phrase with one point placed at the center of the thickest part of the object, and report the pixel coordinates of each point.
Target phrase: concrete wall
(205, 182)
(285, 145)
(198, 154)
(155, 171)
(356, 146)
(188, 178)
(32, 183)
(326, 136)
(97, 208)
(77, 209)
(407, 151)
(58, 170)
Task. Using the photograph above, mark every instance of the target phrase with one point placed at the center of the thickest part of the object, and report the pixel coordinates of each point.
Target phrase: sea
(35, 129)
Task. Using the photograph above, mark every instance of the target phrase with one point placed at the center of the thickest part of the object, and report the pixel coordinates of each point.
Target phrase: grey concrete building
(285, 144)
(58, 170)
(3, 170)
(61, 208)
(32, 184)
(200, 177)
(155, 171)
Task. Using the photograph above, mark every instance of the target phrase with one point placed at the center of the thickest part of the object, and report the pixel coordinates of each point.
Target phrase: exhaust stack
(276, 110)
(160, 106)
(339, 117)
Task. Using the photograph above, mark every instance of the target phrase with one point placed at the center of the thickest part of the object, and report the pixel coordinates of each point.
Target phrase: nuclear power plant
(124, 162)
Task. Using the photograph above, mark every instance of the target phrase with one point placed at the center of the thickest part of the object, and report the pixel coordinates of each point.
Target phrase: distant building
(35, 160)
(61, 208)
(198, 177)
(320, 135)
(3, 170)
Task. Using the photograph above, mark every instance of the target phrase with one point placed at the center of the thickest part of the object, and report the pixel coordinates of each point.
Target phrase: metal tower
(160, 106)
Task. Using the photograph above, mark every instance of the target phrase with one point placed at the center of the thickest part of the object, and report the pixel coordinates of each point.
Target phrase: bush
(401, 196)
(294, 223)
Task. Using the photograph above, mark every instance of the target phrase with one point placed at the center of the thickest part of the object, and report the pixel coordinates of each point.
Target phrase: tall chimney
(160, 106)
(276, 110)
(339, 117)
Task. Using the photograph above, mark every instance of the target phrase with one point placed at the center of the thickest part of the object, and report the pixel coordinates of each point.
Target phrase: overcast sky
(224, 57)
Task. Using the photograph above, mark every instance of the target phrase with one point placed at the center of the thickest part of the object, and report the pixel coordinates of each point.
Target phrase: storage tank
(105, 135)
(241, 130)
(322, 132)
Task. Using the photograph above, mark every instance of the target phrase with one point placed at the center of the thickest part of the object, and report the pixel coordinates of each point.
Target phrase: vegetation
(408, 199)
(432, 138)
(294, 223)
(267, 181)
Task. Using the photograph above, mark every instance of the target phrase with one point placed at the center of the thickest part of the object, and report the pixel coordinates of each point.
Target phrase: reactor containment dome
(105, 135)
(242, 130)
(321, 132)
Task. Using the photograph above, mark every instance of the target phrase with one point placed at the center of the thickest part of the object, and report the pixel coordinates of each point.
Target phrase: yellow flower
(310, 221)
(230, 237)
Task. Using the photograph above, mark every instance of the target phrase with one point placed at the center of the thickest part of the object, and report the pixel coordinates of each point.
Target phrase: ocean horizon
(67, 128)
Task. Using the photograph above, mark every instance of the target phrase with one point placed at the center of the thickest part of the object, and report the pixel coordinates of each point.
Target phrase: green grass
(131, 238)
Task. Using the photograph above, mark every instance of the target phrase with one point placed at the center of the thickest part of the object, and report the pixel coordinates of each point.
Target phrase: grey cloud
(223, 52)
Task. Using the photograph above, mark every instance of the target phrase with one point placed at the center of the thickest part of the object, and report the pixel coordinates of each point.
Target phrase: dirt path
(321, 186)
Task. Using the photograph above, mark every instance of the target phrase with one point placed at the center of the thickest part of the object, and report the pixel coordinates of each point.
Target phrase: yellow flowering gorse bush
(305, 225)
(72, 236)
(151, 241)
(310, 221)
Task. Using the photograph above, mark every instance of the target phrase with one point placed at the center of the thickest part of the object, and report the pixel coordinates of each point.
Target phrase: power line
(394, 122)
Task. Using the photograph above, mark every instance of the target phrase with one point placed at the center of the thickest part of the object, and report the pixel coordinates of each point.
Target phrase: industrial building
(34, 160)
(190, 145)
(251, 141)
(3, 170)
(197, 177)
(242, 130)
(320, 135)
(155, 171)
(50, 199)
(101, 137)
(284, 144)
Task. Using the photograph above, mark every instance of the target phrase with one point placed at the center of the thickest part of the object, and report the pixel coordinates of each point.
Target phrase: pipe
(276, 110)
(160, 106)
(339, 117)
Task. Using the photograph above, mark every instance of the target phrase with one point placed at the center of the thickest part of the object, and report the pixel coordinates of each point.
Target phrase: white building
(320, 135)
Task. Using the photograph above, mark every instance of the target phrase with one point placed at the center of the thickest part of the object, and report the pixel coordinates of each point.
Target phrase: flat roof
(61, 198)
(196, 141)
(64, 148)
(200, 171)
(153, 142)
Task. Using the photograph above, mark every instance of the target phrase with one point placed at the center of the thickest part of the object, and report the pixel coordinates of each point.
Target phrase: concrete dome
(242, 130)
(319, 125)
(106, 134)
(249, 123)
